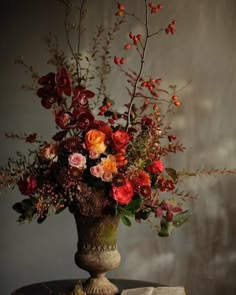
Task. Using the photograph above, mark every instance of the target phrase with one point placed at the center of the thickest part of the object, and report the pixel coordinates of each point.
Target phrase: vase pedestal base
(99, 286)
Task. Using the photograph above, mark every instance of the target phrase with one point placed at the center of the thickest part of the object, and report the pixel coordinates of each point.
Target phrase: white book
(155, 291)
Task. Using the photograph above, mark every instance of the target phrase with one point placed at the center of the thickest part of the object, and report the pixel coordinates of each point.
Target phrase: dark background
(202, 254)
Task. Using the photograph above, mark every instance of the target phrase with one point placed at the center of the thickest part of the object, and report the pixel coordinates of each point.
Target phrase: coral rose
(123, 194)
(94, 141)
(120, 139)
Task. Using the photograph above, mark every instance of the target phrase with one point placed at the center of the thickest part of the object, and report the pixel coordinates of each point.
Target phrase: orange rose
(109, 164)
(94, 140)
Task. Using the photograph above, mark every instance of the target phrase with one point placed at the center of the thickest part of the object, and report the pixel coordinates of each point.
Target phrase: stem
(79, 38)
(140, 70)
(133, 15)
(156, 33)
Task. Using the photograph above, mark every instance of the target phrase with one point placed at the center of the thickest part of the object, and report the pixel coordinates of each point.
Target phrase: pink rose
(97, 170)
(120, 139)
(123, 194)
(27, 185)
(107, 176)
(77, 160)
(155, 167)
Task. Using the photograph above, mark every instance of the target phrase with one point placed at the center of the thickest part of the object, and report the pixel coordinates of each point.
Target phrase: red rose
(120, 139)
(156, 167)
(27, 185)
(123, 194)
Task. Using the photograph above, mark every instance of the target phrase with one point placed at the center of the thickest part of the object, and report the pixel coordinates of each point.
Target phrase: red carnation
(123, 194)
(156, 167)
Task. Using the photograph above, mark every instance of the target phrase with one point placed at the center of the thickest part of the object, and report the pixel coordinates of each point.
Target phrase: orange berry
(120, 13)
(177, 103)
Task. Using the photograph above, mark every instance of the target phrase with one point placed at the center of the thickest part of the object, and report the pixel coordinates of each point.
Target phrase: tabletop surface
(64, 287)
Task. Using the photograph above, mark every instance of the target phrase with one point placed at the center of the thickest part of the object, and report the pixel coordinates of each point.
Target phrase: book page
(155, 291)
(138, 291)
(169, 291)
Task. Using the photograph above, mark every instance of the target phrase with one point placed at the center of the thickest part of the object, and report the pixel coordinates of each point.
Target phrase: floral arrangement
(102, 161)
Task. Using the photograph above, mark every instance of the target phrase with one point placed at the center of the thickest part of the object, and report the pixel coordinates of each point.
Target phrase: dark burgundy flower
(72, 144)
(47, 92)
(63, 82)
(27, 185)
(145, 191)
(31, 138)
(84, 120)
(80, 99)
(60, 135)
(65, 120)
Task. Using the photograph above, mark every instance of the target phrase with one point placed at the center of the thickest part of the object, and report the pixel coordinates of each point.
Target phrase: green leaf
(134, 205)
(172, 173)
(181, 218)
(166, 228)
(18, 208)
(126, 220)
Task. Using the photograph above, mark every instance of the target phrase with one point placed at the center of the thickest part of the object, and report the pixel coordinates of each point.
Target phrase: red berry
(103, 108)
(127, 46)
(174, 97)
(144, 84)
(167, 30)
(131, 35)
(108, 104)
(139, 36)
(122, 61)
(151, 5)
(159, 6)
(116, 60)
(174, 22)
(121, 6)
(111, 121)
(154, 10)
(135, 39)
(115, 117)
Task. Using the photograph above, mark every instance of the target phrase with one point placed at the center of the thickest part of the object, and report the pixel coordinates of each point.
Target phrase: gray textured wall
(202, 254)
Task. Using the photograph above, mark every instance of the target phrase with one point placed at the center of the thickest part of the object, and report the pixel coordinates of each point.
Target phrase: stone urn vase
(97, 251)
